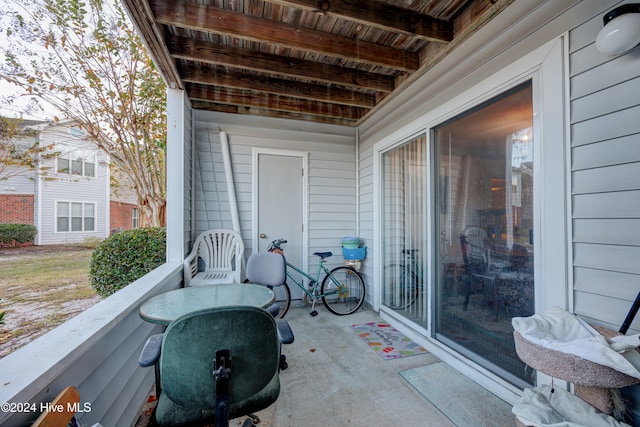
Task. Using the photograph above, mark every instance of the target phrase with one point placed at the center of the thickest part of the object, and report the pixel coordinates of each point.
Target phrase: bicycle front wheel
(283, 298)
(342, 291)
(401, 286)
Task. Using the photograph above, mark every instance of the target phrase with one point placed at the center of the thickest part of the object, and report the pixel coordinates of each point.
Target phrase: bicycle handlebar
(276, 244)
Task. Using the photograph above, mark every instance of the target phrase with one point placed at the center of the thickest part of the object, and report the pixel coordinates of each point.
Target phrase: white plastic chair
(216, 258)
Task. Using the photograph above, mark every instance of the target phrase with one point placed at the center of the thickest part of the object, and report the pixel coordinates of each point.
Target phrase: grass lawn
(40, 289)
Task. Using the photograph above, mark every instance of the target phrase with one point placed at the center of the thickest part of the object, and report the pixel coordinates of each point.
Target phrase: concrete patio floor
(334, 379)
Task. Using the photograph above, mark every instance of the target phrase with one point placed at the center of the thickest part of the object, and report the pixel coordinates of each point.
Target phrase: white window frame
(546, 66)
(77, 132)
(66, 152)
(70, 225)
(135, 219)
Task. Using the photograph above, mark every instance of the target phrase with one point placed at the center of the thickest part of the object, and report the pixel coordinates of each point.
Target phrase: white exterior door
(280, 204)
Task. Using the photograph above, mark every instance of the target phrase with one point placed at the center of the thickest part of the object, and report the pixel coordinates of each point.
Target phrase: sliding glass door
(404, 235)
(484, 227)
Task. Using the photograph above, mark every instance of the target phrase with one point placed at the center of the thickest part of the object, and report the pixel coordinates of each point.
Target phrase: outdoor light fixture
(621, 30)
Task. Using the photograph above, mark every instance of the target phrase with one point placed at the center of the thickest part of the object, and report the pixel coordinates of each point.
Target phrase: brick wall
(17, 208)
(121, 216)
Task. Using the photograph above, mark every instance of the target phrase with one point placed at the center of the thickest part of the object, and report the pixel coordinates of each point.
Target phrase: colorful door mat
(387, 341)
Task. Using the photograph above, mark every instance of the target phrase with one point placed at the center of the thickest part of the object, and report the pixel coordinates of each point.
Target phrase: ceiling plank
(210, 76)
(382, 16)
(211, 53)
(219, 21)
(253, 111)
(271, 102)
(474, 16)
(326, 61)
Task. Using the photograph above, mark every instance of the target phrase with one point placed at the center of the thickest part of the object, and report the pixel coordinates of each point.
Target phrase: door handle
(263, 236)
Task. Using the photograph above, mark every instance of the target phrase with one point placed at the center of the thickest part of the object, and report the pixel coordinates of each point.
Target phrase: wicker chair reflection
(475, 245)
(500, 280)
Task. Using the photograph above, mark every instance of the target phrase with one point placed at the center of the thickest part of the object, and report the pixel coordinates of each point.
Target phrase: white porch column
(176, 126)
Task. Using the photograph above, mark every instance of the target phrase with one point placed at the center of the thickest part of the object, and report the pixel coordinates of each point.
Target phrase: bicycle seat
(323, 255)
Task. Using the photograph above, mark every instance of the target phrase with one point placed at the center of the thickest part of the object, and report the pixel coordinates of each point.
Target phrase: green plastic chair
(197, 390)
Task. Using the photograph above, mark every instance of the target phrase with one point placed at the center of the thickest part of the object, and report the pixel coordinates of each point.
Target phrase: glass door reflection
(404, 234)
(484, 223)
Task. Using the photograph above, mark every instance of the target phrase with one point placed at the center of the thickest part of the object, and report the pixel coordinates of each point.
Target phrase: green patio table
(166, 307)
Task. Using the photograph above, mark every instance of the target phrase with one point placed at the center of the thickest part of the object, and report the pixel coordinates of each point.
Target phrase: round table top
(167, 307)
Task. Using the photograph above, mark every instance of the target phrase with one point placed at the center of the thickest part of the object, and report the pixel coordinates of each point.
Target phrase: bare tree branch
(85, 59)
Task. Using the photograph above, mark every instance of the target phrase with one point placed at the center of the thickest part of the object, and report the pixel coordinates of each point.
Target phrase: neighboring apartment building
(124, 210)
(68, 198)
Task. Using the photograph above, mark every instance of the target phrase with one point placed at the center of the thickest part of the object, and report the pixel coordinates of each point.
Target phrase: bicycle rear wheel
(283, 298)
(401, 286)
(343, 291)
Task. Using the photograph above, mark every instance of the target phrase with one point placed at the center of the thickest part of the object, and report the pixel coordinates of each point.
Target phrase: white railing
(96, 351)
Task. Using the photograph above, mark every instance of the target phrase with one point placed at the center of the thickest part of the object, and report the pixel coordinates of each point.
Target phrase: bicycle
(403, 281)
(342, 290)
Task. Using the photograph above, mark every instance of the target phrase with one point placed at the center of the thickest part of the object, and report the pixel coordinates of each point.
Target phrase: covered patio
(367, 108)
(335, 380)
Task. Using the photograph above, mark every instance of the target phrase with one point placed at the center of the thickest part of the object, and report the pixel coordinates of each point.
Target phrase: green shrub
(17, 234)
(125, 257)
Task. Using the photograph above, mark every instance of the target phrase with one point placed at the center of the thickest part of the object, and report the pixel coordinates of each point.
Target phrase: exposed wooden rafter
(282, 66)
(246, 98)
(328, 61)
(380, 15)
(209, 19)
(274, 86)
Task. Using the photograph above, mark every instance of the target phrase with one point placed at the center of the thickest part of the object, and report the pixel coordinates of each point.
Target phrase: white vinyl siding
(65, 187)
(20, 184)
(24, 181)
(605, 188)
(332, 176)
(605, 166)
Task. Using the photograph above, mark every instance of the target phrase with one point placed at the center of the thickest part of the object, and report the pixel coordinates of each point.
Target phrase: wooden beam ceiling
(258, 83)
(213, 20)
(328, 61)
(275, 65)
(383, 16)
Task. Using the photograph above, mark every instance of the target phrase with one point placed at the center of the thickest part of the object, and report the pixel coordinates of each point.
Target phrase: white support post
(175, 174)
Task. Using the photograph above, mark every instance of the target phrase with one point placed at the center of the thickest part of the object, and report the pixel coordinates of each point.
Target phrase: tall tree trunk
(154, 211)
